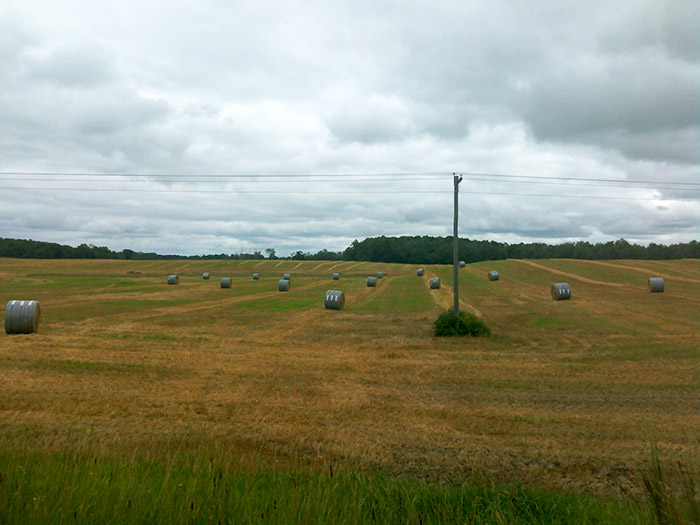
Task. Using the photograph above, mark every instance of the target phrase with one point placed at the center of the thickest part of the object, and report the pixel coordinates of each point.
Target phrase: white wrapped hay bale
(656, 284)
(226, 282)
(371, 282)
(22, 317)
(334, 300)
(434, 283)
(173, 279)
(283, 285)
(561, 291)
(493, 275)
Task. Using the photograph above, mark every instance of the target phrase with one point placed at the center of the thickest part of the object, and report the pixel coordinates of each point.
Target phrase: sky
(223, 126)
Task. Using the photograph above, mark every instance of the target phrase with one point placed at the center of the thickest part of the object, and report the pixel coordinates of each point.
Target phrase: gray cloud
(80, 67)
(619, 98)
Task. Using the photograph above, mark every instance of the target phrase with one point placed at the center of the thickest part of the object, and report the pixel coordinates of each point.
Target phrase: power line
(226, 175)
(626, 181)
(617, 184)
(334, 176)
(343, 178)
(359, 192)
(202, 180)
(185, 190)
(419, 179)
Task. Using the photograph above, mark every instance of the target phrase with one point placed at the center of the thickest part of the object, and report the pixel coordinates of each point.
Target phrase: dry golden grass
(564, 394)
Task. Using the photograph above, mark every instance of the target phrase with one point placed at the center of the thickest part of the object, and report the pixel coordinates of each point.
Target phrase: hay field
(563, 395)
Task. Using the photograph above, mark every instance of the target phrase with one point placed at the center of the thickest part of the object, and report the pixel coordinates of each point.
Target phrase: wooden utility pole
(455, 247)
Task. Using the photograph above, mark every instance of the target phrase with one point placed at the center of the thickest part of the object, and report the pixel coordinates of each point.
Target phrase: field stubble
(563, 395)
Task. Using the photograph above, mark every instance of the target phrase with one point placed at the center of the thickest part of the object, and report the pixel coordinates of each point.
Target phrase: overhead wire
(340, 179)
(607, 183)
(331, 177)
(587, 179)
(226, 175)
(359, 192)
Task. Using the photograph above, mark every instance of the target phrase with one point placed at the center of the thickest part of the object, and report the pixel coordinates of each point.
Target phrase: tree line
(29, 249)
(438, 250)
(406, 249)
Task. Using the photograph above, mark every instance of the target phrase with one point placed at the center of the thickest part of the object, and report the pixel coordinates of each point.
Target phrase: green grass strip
(44, 487)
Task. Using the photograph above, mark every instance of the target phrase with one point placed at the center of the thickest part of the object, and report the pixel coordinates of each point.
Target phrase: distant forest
(412, 250)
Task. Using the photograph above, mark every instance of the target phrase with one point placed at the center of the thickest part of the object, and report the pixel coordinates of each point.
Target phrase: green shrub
(468, 324)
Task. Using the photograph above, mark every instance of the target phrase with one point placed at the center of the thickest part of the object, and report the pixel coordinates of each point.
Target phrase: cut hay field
(563, 395)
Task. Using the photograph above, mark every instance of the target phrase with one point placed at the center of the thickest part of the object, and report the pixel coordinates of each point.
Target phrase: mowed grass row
(114, 291)
(564, 395)
(614, 301)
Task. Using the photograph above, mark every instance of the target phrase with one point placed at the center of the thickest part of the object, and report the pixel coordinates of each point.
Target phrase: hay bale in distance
(256, 276)
(335, 300)
(336, 276)
(656, 284)
(462, 264)
(380, 275)
(205, 275)
(561, 291)
(283, 285)
(173, 279)
(22, 317)
(226, 282)
(287, 277)
(420, 272)
(371, 282)
(493, 275)
(434, 283)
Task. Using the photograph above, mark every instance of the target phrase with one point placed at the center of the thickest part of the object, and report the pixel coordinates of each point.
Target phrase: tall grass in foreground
(673, 503)
(50, 487)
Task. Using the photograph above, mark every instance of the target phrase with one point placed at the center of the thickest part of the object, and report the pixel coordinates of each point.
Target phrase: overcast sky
(596, 90)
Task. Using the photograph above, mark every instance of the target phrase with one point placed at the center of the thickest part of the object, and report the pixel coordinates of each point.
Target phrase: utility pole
(455, 245)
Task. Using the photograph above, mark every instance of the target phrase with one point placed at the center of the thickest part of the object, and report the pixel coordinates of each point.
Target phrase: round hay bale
(283, 285)
(226, 282)
(256, 276)
(420, 272)
(493, 275)
(656, 284)
(335, 300)
(336, 276)
(561, 291)
(173, 279)
(380, 275)
(287, 277)
(371, 282)
(434, 283)
(205, 275)
(22, 317)
(462, 264)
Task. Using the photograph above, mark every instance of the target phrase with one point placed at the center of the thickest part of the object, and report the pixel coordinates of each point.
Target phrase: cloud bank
(571, 90)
